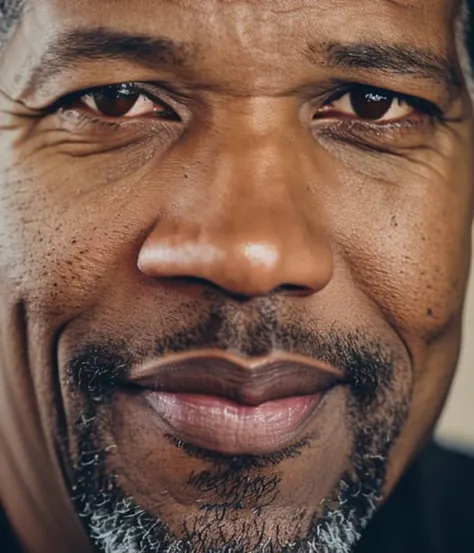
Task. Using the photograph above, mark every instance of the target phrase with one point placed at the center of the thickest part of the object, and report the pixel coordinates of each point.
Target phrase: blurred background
(456, 426)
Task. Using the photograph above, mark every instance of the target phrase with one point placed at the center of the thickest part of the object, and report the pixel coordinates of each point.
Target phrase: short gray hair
(10, 11)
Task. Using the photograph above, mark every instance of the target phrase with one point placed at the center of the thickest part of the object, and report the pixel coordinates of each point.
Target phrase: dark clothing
(430, 511)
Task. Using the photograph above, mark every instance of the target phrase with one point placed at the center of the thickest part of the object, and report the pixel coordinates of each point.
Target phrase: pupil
(116, 101)
(370, 105)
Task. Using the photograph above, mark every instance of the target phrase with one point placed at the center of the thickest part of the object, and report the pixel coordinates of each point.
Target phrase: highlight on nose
(239, 265)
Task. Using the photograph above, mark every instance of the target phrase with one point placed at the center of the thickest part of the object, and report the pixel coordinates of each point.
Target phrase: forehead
(256, 21)
(232, 43)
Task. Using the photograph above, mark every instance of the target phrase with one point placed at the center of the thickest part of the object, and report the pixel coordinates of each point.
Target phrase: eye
(370, 104)
(122, 101)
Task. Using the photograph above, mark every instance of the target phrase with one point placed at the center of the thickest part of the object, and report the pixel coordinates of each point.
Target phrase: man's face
(239, 233)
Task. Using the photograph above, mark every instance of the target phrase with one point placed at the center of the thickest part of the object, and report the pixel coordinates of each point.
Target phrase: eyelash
(83, 119)
(65, 106)
(427, 109)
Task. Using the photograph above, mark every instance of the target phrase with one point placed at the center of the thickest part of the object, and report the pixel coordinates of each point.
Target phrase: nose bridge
(255, 180)
(253, 235)
(259, 148)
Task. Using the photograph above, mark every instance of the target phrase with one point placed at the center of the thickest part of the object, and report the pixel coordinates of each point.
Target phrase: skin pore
(252, 178)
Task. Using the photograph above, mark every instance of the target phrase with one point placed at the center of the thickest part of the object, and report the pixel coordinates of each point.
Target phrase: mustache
(97, 369)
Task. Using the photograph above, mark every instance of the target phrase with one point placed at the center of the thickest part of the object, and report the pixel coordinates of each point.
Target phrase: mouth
(233, 405)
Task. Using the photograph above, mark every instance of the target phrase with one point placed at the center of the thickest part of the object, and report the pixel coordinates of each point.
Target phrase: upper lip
(249, 381)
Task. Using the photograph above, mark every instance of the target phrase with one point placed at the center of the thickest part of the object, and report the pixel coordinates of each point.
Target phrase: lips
(234, 405)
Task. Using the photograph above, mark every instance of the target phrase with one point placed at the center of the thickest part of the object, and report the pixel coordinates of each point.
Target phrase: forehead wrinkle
(273, 6)
(287, 6)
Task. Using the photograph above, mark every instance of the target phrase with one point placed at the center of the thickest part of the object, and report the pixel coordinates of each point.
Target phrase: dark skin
(237, 171)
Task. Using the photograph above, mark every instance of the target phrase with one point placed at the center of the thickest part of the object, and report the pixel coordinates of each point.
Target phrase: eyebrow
(85, 45)
(403, 60)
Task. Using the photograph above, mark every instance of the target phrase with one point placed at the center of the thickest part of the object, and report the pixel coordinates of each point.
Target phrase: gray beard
(123, 527)
(377, 411)
(116, 524)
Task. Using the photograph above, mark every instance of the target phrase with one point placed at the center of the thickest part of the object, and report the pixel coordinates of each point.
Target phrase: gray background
(457, 423)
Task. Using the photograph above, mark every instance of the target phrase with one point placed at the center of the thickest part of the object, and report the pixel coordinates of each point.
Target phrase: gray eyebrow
(100, 43)
(390, 59)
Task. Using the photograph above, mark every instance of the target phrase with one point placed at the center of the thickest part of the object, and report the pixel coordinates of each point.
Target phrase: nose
(254, 233)
(244, 261)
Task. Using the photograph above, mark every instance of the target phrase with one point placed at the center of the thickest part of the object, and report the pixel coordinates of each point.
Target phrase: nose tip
(241, 266)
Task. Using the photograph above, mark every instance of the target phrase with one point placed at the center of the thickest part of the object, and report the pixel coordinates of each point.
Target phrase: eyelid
(426, 107)
(66, 101)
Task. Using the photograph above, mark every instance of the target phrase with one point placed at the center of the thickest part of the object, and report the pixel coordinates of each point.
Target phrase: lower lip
(218, 424)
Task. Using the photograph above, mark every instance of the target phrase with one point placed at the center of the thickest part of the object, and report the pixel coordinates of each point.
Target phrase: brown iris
(116, 101)
(371, 105)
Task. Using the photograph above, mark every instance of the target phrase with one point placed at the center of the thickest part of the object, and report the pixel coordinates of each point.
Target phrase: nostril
(204, 285)
(293, 290)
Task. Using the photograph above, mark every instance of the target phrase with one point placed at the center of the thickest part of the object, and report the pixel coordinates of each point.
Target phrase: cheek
(54, 250)
(408, 248)
(66, 221)
(416, 277)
